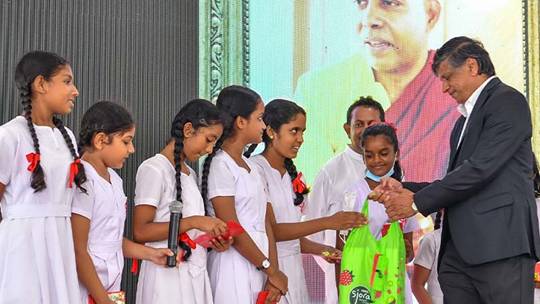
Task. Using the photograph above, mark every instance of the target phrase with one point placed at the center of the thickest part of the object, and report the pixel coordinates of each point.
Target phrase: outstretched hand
(398, 204)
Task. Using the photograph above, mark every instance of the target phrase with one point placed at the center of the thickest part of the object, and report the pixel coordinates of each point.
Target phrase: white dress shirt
(467, 108)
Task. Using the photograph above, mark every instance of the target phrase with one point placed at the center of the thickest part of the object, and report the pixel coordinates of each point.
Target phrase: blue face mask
(376, 178)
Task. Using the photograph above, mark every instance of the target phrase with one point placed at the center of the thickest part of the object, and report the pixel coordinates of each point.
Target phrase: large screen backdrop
(325, 54)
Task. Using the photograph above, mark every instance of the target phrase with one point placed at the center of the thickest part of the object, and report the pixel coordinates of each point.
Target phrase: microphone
(174, 228)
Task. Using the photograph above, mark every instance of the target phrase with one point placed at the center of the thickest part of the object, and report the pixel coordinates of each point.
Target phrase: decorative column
(223, 45)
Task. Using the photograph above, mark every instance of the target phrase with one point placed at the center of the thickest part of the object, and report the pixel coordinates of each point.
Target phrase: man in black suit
(490, 238)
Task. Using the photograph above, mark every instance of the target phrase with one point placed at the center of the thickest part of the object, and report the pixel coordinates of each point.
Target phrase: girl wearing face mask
(381, 156)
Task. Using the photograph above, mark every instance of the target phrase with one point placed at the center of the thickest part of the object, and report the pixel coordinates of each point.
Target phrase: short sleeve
(149, 186)
(426, 254)
(8, 150)
(221, 180)
(83, 203)
(262, 177)
(411, 225)
(318, 202)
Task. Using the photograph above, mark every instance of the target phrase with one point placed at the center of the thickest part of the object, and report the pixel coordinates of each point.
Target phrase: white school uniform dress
(427, 255)
(37, 258)
(339, 173)
(377, 219)
(234, 279)
(281, 196)
(188, 283)
(104, 204)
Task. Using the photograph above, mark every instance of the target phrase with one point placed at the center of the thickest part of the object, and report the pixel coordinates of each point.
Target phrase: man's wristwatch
(265, 265)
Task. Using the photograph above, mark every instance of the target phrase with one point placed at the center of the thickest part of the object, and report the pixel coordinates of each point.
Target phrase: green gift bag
(373, 271)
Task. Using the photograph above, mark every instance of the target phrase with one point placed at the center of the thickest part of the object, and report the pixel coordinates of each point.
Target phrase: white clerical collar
(466, 108)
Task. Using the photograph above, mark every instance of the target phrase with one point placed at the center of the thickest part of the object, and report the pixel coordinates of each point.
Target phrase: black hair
(233, 101)
(30, 66)
(438, 219)
(200, 113)
(276, 113)
(536, 177)
(389, 132)
(458, 49)
(366, 102)
(103, 116)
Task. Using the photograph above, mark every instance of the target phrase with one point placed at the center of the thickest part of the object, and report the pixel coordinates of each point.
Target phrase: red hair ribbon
(184, 237)
(33, 159)
(73, 170)
(134, 266)
(298, 184)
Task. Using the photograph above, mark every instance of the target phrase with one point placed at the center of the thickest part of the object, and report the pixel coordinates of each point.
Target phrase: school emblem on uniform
(360, 295)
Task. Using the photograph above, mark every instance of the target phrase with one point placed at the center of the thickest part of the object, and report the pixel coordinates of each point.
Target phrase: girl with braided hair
(164, 178)
(234, 190)
(39, 166)
(285, 125)
(99, 212)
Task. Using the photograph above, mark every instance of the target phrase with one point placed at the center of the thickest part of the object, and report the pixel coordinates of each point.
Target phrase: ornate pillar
(223, 45)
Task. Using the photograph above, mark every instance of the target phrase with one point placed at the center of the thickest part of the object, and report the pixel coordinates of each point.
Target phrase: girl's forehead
(380, 139)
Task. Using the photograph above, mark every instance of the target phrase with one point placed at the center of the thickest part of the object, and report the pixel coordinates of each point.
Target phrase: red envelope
(261, 298)
(234, 229)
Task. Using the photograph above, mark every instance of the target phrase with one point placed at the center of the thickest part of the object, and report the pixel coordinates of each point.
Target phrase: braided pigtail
(206, 168)
(291, 169)
(178, 150)
(250, 150)
(76, 167)
(37, 181)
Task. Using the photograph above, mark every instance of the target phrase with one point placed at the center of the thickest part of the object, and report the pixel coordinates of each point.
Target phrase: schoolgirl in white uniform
(99, 208)
(381, 153)
(162, 179)
(235, 191)
(286, 123)
(39, 168)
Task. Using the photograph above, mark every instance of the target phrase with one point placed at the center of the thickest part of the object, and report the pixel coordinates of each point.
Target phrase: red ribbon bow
(298, 184)
(33, 159)
(134, 266)
(184, 237)
(73, 170)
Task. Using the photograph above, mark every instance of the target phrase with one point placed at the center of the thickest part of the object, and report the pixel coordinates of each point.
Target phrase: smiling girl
(381, 155)
(38, 167)
(283, 137)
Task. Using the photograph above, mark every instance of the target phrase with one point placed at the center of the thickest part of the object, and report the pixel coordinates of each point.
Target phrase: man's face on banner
(396, 31)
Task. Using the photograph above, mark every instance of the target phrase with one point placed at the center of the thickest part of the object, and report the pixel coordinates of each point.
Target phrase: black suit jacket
(487, 193)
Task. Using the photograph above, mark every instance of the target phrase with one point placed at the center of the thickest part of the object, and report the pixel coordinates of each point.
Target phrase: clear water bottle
(349, 201)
